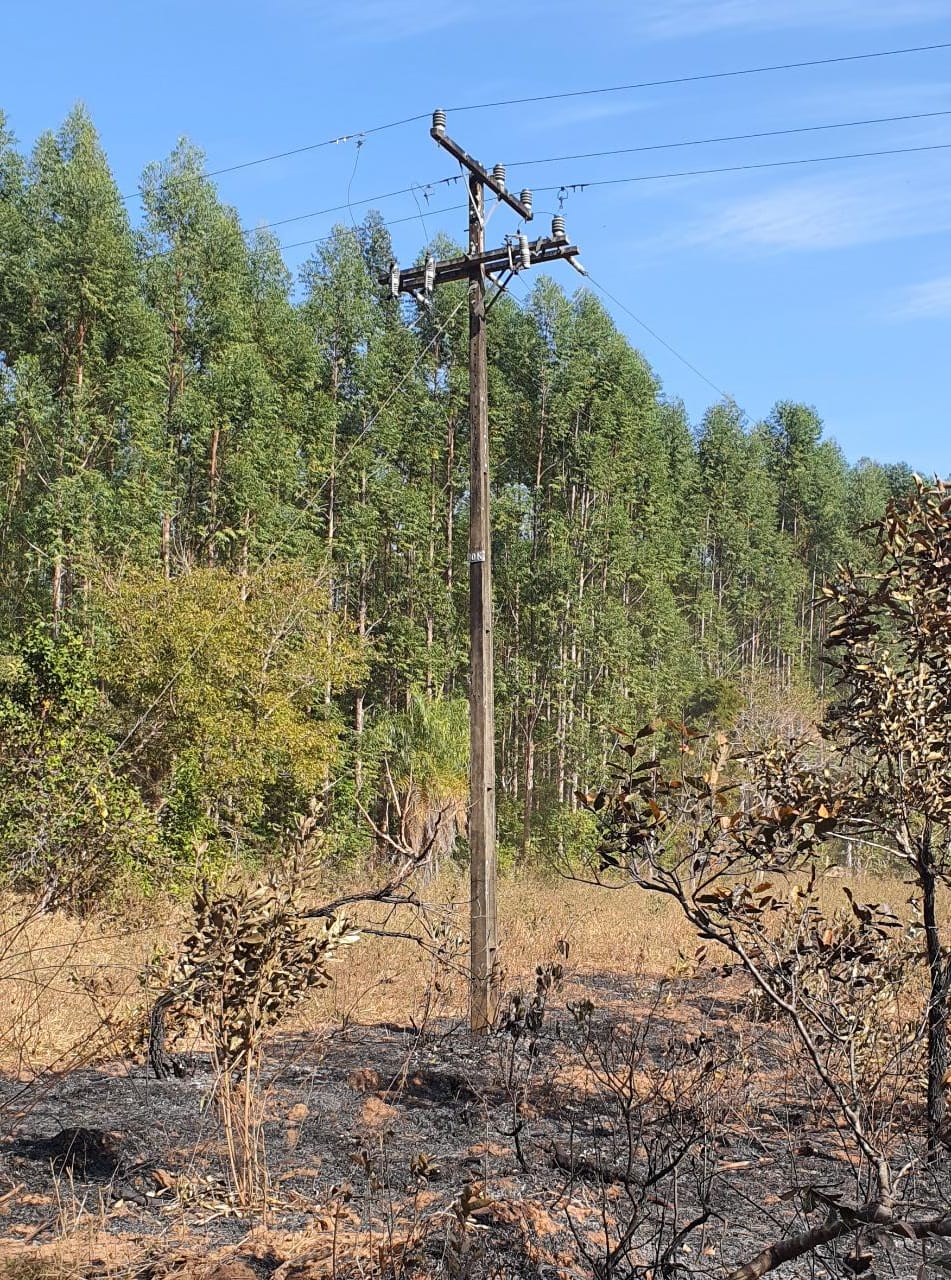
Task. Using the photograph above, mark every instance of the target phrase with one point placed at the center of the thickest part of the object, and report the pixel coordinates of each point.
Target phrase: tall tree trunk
(359, 703)
(450, 494)
(57, 590)
(431, 584)
(937, 997)
(80, 353)
(358, 722)
(245, 556)
(167, 545)
(529, 788)
(812, 609)
(213, 493)
(561, 724)
(331, 532)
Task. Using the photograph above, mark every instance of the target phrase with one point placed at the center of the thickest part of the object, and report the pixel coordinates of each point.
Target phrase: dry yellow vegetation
(72, 992)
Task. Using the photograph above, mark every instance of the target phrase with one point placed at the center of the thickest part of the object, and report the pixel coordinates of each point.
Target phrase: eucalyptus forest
(233, 537)
(236, 947)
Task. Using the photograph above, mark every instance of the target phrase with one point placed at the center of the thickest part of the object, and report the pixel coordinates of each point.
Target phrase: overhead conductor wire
(573, 93)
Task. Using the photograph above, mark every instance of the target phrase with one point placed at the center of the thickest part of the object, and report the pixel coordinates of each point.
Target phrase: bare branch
(874, 1213)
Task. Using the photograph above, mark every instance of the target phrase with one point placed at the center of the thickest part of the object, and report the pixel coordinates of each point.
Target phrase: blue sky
(829, 284)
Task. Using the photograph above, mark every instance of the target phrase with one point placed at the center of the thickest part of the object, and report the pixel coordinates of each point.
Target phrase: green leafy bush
(72, 827)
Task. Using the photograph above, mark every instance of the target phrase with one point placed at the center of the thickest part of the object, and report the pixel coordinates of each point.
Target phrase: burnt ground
(397, 1151)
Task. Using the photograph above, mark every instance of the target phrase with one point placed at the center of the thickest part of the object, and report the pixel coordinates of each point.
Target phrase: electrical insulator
(524, 250)
(429, 276)
(526, 199)
(558, 227)
(498, 173)
(395, 278)
(439, 121)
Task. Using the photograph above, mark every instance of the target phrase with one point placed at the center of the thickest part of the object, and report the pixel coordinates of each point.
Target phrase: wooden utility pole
(477, 267)
(483, 943)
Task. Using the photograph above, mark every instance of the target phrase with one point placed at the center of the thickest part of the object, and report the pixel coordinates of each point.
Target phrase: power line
(339, 208)
(707, 75)
(602, 182)
(354, 134)
(298, 151)
(577, 186)
(526, 300)
(350, 204)
(299, 244)
(393, 222)
(315, 146)
(731, 137)
(740, 168)
(620, 151)
(663, 341)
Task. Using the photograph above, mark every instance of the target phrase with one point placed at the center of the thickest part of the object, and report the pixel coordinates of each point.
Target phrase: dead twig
(874, 1213)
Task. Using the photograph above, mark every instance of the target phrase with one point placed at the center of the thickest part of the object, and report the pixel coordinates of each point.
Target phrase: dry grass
(71, 988)
(621, 931)
(67, 986)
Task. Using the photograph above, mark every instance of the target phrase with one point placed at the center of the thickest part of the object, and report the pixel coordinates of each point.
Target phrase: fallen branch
(584, 1167)
(600, 1172)
(874, 1213)
(388, 893)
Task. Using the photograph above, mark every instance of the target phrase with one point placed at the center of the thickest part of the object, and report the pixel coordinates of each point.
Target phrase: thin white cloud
(878, 99)
(929, 300)
(586, 112)
(826, 213)
(678, 18)
(382, 21)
